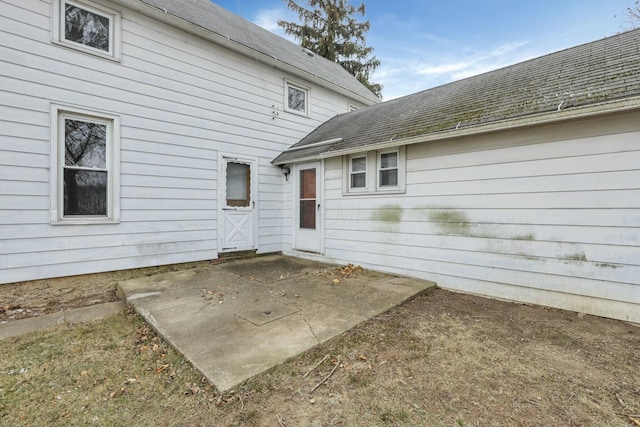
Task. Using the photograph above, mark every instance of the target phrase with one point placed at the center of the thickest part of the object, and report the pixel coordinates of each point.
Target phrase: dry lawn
(443, 359)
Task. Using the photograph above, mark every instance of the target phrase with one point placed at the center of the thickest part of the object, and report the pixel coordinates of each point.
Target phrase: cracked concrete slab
(235, 320)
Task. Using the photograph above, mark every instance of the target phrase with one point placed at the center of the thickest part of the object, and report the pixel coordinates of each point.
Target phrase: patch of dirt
(38, 297)
(456, 359)
(441, 359)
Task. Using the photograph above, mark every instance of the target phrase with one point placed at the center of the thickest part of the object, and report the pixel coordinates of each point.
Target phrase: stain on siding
(580, 256)
(450, 221)
(607, 265)
(388, 213)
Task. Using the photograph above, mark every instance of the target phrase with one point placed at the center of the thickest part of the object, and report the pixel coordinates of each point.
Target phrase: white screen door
(307, 227)
(238, 205)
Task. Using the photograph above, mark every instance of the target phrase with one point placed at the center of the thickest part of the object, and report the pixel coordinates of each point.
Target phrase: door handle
(253, 204)
(318, 206)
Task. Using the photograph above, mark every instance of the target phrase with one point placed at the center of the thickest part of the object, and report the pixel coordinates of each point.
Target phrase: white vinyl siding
(549, 216)
(180, 101)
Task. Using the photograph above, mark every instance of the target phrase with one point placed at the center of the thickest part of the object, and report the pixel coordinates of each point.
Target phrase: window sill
(63, 222)
(297, 113)
(375, 192)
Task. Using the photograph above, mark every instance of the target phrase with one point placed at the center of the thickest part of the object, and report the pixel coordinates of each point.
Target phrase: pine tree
(328, 28)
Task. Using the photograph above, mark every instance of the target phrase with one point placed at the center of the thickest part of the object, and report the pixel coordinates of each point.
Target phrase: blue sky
(426, 43)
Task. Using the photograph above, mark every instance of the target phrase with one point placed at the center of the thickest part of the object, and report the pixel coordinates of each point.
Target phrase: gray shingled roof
(596, 72)
(213, 18)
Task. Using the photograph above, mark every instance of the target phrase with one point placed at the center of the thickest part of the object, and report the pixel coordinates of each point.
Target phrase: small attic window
(296, 98)
(87, 26)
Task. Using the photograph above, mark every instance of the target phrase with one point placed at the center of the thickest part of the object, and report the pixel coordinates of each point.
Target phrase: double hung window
(380, 171)
(358, 172)
(84, 166)
(388, 169)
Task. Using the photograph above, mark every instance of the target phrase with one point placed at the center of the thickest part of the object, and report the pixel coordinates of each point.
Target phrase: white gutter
(315, 144)
(628, 104)
(224, 41)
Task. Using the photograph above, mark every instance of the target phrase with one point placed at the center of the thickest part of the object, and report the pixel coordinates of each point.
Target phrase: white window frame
(307, 104)
(115, 27)
(380, 169)
(374, 166)
(57, 156)
(352, 172)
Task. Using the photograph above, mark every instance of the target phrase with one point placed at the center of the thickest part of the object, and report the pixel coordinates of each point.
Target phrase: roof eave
(549, 117)
(224, 41)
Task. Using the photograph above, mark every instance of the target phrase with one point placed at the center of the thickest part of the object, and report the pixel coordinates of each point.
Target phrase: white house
(521, 183)
(141, 132)
(146, 132)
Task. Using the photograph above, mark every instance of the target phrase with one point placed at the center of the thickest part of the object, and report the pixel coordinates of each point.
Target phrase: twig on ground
(327, 377)
(620, 401)
(316, 366)
(241, 402)
(280, 421)
(633, 420)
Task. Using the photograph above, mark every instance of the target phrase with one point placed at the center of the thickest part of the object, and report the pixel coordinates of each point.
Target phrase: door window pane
(238, 185)
(308, 184)
(308, 198)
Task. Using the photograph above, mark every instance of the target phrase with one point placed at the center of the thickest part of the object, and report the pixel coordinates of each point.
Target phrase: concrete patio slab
(235, 320)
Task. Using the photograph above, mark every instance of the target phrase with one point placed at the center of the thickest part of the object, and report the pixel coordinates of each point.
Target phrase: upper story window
(297, 98)
(388, 172)
(84, 166)
(87, 26)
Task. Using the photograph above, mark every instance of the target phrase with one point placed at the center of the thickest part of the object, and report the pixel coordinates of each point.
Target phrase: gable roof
(587, 79)
(208, 20)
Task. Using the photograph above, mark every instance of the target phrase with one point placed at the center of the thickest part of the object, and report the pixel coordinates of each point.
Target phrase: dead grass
(444, 359)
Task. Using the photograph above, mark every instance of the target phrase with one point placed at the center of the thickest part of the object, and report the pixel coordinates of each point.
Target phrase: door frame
(320, 220)
(223, 158)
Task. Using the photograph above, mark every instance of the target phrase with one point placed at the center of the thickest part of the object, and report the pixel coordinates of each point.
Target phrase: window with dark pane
(297, 99)
(238, 185)
(87, 28)
(389, 169)
(85, 171)
(359, 172)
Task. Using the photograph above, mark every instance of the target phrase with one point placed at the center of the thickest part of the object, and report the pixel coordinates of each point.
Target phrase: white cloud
(268, 19)
(507, 47)
(446, 68)
(403, 74)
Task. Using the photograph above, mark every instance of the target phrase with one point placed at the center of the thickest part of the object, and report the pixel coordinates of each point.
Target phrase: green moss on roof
(600, 71)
